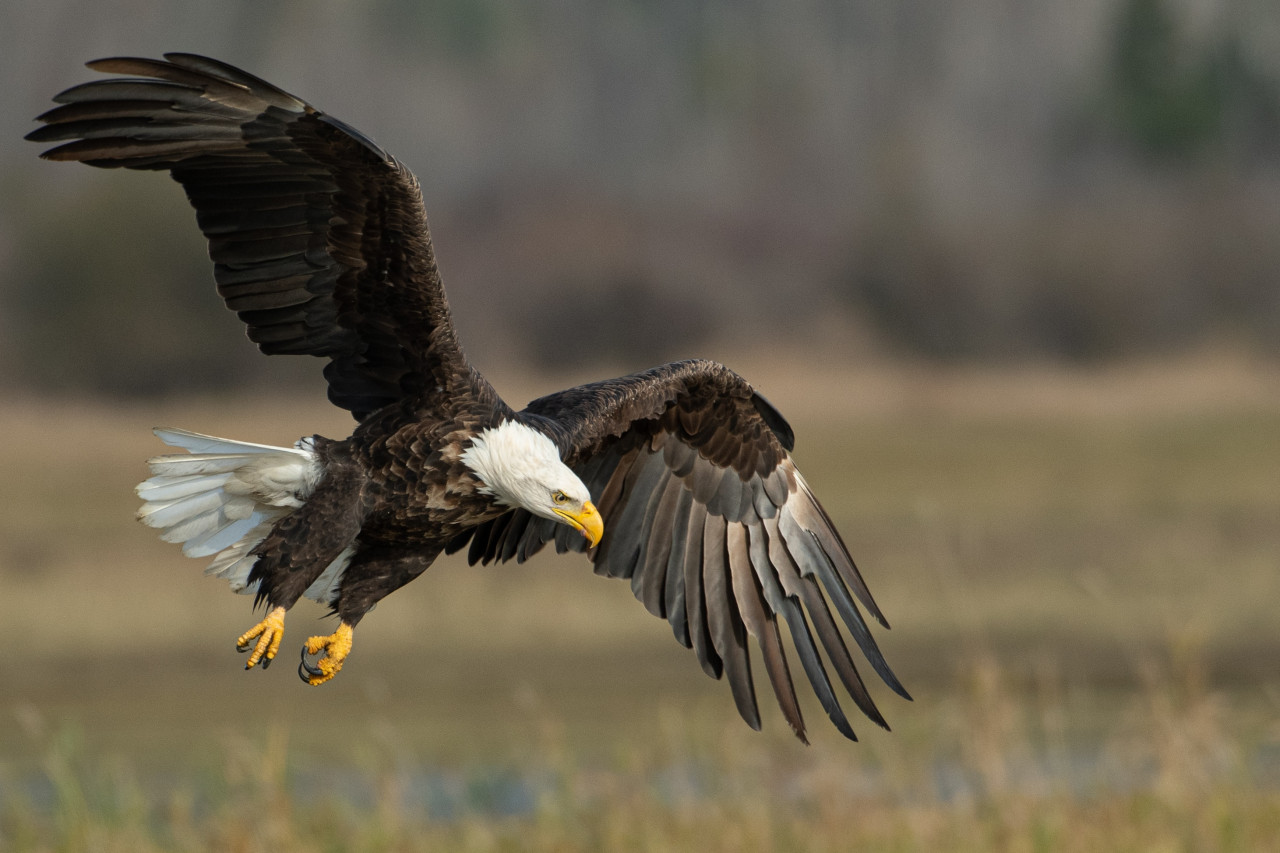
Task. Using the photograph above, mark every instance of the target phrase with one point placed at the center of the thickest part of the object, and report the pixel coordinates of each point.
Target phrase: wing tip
(842, 724)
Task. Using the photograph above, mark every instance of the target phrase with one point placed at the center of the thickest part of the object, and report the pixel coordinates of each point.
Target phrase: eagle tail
(223, 497)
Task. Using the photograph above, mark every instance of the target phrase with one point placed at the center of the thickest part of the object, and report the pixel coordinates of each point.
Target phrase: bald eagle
(678, 478)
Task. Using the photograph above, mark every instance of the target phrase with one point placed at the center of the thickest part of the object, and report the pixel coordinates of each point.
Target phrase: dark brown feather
(694, 604)
(723, 621)
(282, 191)
(748, 570)
(836, 650)
(802, 544)
(673, 598)
(784, 600)
(651, 590)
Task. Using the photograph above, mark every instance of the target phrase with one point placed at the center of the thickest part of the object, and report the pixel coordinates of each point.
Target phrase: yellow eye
(559, 497)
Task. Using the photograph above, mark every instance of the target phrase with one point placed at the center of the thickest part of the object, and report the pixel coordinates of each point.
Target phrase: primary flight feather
(678, 478)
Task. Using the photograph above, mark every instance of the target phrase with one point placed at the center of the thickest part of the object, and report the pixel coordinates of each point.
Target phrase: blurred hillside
(652, 180)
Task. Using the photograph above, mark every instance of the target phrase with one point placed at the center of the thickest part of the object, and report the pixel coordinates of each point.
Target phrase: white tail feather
(165, 514)
(235, 562)
(196, 442)
(223, 497)
(175, 487)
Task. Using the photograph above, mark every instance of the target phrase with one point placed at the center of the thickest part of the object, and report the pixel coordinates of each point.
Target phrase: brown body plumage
(320, 244)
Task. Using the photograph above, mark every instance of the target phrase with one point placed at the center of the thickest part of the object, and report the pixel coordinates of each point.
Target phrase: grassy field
(1080, 568)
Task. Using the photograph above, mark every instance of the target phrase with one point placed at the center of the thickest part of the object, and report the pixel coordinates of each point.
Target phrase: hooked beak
(587, 521)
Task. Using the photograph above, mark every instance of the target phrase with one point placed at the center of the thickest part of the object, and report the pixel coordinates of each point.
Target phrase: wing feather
(675, 588)
(695, 605)
(724, 624)
(717, 531)
(620, 548)
(837, 652)
(803, 544)
(541, 531)
(318, 236)
(649, 584)
(815, 520)
(480, 536)
(751, 582)
(509, 542)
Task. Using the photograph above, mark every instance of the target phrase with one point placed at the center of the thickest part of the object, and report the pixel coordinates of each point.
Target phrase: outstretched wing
(318, 236)
(707, 516)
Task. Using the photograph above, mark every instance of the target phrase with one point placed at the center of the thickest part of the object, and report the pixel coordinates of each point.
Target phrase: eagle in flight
(678, 479)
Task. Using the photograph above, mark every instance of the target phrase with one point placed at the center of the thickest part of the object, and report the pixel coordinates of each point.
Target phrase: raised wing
(715, 528)
(318, 236)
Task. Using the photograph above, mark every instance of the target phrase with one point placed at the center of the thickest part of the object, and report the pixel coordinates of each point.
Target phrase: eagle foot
(269, 632)
(336, 647)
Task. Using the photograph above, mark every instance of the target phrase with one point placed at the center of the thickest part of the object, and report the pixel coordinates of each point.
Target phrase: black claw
(244, 650)
(306, 670)
(266, 662)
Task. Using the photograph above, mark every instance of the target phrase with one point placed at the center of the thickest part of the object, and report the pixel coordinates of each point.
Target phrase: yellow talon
(270, 632)
(336, 647)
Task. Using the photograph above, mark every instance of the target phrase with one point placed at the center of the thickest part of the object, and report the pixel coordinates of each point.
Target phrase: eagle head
(521, 467)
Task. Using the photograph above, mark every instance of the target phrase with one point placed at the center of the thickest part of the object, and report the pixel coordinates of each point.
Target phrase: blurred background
(1066, 183)
(1011, 269)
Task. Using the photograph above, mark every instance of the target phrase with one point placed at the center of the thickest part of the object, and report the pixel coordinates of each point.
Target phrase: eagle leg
(269, 632)
(336, 647)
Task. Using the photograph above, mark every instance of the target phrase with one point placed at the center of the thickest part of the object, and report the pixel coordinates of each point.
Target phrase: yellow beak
(587, 522)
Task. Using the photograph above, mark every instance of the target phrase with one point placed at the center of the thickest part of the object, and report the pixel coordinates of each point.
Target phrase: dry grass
(989, 768)
(1080, 569)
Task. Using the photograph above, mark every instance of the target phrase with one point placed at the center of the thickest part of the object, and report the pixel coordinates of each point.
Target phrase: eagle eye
(559, 497)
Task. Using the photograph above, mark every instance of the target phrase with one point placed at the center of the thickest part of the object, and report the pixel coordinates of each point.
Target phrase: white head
(521, 467)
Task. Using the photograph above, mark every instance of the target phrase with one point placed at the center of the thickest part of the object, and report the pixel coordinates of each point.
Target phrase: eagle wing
(717, 531)
(318, 236)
